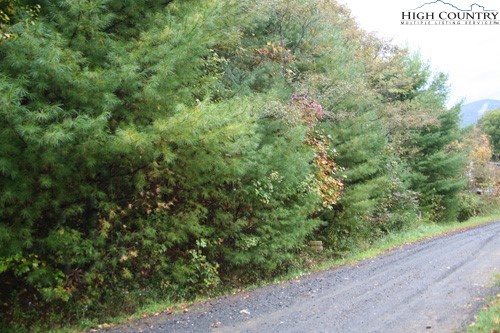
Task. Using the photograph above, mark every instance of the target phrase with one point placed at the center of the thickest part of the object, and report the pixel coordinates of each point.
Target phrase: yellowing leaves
(327, 183)
(482, 151)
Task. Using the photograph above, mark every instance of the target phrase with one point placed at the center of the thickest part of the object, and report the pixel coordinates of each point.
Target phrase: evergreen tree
(438, 167)
(154, 148)
(360, 146)
(123, 170)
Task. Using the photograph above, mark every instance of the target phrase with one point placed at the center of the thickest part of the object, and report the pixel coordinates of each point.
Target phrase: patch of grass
(488, 320)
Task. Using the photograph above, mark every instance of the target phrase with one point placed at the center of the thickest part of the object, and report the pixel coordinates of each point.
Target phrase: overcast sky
(470, 55)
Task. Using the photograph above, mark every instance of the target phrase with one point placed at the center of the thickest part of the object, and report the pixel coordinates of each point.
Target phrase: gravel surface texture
(431, 286)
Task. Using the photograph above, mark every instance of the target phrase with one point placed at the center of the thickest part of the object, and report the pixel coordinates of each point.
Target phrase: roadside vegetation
(169, 150)
(489, 125)
(316, 262)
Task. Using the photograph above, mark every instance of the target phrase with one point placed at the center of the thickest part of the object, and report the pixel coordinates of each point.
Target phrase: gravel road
(432, 286)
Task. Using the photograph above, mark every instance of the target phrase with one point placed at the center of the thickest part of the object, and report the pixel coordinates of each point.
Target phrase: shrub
(469, 205)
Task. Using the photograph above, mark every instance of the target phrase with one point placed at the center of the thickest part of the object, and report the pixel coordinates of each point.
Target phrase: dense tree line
(157, 149)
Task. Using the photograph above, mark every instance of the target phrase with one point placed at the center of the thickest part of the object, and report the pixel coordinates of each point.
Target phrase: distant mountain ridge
(470, 7)
(472, 112)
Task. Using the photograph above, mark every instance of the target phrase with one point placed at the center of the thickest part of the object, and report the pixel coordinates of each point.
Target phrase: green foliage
(469, 205)
(438, 168)
(155, 149)
(490, 124)
(363, 158)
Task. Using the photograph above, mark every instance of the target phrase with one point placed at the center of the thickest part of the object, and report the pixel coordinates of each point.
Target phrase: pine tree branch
(19, 136)
(76, 29)
(128, 17)
(131, 172)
